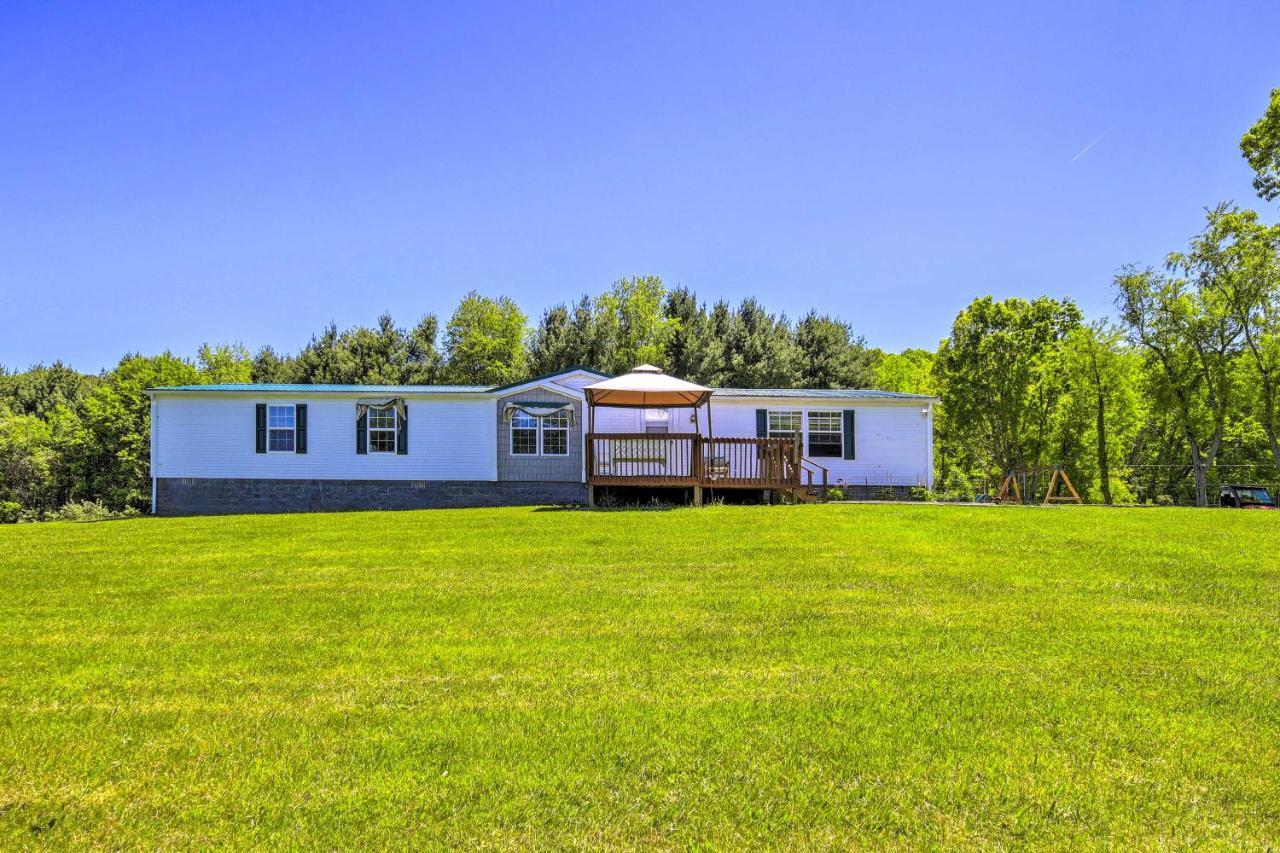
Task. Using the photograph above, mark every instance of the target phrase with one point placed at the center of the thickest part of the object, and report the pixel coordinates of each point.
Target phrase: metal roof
(396, 390)
(819, 393)
(576, 368)
(251, 388)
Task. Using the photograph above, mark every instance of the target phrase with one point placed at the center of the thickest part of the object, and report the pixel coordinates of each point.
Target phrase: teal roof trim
(819, 394)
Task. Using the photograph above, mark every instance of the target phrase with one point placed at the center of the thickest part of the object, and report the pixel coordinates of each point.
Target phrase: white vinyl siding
(894, 439)
(450, 438)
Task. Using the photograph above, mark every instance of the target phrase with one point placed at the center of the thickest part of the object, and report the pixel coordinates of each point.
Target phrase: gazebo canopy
(644, 387)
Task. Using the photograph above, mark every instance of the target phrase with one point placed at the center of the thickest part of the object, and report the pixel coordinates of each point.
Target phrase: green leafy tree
(906, 372)
(42, 389)
(485, 342)
(1103, 411)
(1261, 147)
(1189, 340)
(27, 459)
(224, 364)
(631, 314)
(115, 448)
(997, 397)
(1237, 260)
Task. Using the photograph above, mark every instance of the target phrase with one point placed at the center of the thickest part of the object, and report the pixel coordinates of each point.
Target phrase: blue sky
(176, 173)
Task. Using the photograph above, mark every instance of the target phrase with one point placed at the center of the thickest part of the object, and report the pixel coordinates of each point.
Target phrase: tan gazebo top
(646, 386)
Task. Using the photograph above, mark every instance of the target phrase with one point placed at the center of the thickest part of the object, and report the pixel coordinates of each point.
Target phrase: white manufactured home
(554, 439)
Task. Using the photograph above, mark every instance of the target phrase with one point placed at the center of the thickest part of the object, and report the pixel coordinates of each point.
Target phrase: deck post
(590, 452)
(697, 495)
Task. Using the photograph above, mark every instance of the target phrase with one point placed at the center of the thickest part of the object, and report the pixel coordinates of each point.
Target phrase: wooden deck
(685, 459)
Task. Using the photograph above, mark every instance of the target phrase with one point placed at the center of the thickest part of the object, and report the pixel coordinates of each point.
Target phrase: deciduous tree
(485, 342)
(1261, 147)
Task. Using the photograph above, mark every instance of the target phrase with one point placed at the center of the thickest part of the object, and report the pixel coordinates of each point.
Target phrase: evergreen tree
(423, 362)
(270, 368)
(760, 351)
(551, 347)
(694, 352)
(829, 356)
(324, 360)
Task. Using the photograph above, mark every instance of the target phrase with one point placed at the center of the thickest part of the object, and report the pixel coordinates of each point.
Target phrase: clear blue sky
(176, 173)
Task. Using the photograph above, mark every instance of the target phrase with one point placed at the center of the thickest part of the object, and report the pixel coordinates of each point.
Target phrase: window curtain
(363, 408)
(537, 410)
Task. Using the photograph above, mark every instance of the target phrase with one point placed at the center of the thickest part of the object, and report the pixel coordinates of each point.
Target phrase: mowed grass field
(813, 676)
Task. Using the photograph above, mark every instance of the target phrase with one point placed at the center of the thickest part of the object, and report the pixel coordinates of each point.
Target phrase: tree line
(1180, 389)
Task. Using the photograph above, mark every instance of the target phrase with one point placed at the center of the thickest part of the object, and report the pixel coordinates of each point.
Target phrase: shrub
(884, 494)
(89, 511)
(835, 493)
(10, 512)
(920, 493)
(1164, 500)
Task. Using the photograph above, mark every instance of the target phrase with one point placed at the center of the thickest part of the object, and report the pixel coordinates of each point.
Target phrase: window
(784, 424)
(826, 437)
(524, 434)
(657, 421)
(555, 434)
(545, 436)
(280, 429)
(382, 430)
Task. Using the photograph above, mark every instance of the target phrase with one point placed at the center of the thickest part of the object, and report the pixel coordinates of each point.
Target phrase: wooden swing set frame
(1059, 475)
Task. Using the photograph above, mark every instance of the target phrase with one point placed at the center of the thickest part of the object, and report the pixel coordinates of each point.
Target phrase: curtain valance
(537, 410)
(398, 402)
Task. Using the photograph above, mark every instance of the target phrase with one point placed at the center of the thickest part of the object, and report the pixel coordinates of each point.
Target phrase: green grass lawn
(792, 676)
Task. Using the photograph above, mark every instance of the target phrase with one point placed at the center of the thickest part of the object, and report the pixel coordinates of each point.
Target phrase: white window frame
(543, 429)
(539, 429)
(770, 432)
(293, 429)
(394, 429)
(839, 430)
(511, 437)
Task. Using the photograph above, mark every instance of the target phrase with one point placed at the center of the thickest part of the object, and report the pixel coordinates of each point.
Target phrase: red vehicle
(1245, 497)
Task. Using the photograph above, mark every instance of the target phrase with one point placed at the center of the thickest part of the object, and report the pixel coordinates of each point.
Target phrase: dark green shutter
(402, 431)
(762, 423)
(300, 425)
(362, 433)
(261, 432)
(850, 445)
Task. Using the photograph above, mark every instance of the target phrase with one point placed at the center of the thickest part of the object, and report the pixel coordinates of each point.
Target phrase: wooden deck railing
(684, 459)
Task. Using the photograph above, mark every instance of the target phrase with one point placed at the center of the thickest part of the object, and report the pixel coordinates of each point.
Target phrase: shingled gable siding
(539, 468)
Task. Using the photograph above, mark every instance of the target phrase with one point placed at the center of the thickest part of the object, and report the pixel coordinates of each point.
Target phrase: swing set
(1016, 483)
